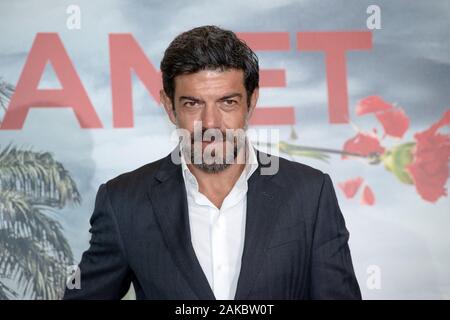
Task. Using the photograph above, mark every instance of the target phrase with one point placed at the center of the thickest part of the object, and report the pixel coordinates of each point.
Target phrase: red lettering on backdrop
(127, 55)
(335, 45)
(47, 47)
(270, 78)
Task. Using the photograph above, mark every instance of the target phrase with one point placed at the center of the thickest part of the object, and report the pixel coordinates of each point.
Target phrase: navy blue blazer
(296, 241)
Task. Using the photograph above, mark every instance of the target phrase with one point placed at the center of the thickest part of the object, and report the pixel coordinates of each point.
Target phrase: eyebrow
(231, 95)
(228, 96)
(189, 98)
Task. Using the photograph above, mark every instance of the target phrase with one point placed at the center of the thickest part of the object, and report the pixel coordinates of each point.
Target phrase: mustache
(213, 134)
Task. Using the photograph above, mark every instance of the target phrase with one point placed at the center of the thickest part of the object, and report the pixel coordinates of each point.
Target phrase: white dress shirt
(217, 235)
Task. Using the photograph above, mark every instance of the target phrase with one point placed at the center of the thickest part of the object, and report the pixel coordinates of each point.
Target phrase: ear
(253, 102)
(168, 106)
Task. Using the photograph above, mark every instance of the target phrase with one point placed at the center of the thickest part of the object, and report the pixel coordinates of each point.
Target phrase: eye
(230, 102)
(191, 104)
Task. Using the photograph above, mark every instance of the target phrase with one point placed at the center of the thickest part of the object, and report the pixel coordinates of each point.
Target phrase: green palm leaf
(6, 293)
(6, 91)
(34, 252)
(42, 179)
(36, 270)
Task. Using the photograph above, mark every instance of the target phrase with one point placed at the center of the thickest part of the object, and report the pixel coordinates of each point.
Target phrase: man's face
(217, 99)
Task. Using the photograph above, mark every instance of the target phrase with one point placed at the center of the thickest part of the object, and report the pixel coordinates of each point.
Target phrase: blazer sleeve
(104, 272)
(332, 275)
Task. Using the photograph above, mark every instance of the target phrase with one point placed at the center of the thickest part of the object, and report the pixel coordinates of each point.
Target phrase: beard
(223, 150)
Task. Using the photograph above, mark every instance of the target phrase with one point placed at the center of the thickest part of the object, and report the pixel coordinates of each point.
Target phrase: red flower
(394, 122)
(371, 104)
(429, 169)
(368, 197)
(350, 186)
(363, 144)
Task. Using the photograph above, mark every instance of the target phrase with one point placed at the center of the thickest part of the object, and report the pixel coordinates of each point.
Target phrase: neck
(216, 186)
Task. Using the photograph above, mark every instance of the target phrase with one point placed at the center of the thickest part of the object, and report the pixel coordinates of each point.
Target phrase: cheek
(235, 120)
(186, 120)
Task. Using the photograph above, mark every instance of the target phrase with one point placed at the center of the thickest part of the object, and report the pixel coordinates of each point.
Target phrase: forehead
(214, 82)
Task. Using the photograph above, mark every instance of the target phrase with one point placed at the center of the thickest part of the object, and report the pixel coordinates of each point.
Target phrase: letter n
(126, 55)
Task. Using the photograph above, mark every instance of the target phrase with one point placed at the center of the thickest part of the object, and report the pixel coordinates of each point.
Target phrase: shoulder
(293, 172)
(136, 179)
(301, 188)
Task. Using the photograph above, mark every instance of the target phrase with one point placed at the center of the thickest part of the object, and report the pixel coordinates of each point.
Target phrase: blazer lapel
(263, 201)
(169, 201)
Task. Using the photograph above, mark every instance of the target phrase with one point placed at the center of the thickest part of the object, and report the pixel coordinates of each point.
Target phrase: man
(211, 220)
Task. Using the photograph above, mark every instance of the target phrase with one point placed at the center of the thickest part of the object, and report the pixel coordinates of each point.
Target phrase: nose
(211, 117)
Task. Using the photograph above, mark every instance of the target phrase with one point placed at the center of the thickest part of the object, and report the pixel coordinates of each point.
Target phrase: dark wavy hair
(208, 48)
